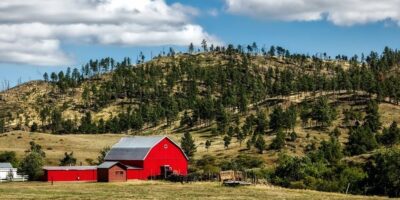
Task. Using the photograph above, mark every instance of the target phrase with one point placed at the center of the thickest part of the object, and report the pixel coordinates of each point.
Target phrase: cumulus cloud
(32, 31)
(339, 12)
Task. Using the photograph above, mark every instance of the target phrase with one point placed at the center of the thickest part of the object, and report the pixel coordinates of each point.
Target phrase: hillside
(256, 111)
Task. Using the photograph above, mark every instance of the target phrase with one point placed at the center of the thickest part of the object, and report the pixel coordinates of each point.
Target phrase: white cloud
(213, 12)
(339, 12)
(32, 30)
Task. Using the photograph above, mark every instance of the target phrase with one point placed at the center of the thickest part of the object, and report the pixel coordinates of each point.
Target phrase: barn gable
(135, 148)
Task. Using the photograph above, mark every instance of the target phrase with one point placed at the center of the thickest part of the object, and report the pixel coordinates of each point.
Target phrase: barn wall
(138, 174)
(71, 175)
(113, 176)
(159, 156)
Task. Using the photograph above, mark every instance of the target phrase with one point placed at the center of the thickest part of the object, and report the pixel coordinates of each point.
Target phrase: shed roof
(107, 164)
(5, 165)
(69, 168)
(134, 148)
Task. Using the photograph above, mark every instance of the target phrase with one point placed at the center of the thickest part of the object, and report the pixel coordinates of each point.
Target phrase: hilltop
(271, 109)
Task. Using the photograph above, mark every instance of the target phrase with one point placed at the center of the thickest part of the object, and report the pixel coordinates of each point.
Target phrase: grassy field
(158, 190)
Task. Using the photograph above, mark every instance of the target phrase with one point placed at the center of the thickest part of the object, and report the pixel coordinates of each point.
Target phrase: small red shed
(111, 172)
(70, 173)
(149, 156)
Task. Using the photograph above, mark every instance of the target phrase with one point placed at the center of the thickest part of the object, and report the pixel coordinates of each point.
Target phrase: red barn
(137, 157)
(149, 156)
(71, 173)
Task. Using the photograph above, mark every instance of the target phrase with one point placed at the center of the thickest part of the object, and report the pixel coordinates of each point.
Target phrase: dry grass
(159, 190)
(83, 146)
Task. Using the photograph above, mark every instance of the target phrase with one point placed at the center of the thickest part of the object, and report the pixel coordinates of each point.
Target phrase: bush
(9, 156)
(293, 136)
(384, 174)
(279, 141)
(242, 162)
(34, 127)
(32, 165)
(361, 140)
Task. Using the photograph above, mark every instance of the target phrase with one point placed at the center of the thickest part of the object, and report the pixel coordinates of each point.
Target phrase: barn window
(165, 146)
(119, 173)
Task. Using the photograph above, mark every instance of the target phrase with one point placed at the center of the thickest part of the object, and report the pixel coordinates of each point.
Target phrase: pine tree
(240, 137)
(2, 126)
(46, 77)
(277, 119)
(103, 153)
(191, 48)
(32, 166)
(260, 144)
(361, 140)
(204, 45)
(323, 113)
(68, 160)
(227, 141)
(208, 144)
(391, 136)
(279, 141)
(372, 118)
(188, 145)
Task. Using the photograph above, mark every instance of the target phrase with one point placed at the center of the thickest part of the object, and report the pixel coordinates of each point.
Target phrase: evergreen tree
(102, 154)
(279, 141)
(391, 136)
(2, 126)
(322, 112)
(383, 173)
(32, 166)
(36, 148)
(277, 119)
(261, 123)
(208, 144)
(68, 160)
(204, 45)
(56, 121)
(191, 48)
(372, 118)
(188, 145)
(331, 150)
(361, 140)
(260, 144)
(227, 141)
(46, 77)
(240, 137)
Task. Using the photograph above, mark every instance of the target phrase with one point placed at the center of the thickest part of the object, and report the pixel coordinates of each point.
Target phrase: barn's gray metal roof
(134, 148)
(127, 153)
(68, 168)
(5, 165)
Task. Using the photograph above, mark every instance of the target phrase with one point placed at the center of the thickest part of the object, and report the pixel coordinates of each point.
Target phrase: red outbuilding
(149, 156)
(71, 173)
(111, 172)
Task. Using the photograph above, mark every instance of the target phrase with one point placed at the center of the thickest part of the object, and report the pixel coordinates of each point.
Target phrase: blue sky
(36, 43)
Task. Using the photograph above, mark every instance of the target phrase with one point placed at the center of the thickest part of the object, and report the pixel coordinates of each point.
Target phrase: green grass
(158, 190)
